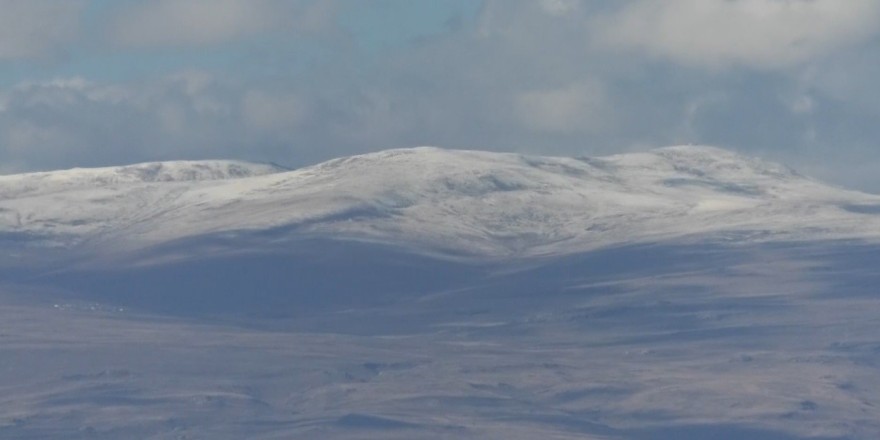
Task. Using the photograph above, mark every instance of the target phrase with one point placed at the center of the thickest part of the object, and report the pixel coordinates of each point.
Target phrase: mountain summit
(439, 201)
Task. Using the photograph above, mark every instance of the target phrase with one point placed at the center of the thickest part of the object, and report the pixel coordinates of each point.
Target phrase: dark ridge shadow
(371, 422)
(316, 275)
(262, 276)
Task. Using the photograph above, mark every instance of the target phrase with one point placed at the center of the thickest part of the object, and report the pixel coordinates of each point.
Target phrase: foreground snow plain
(683, 293)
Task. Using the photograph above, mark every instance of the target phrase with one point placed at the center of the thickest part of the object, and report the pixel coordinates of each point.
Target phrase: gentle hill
(439, 201)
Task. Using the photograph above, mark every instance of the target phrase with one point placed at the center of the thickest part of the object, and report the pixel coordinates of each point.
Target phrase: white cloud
(522, 75)
(580, 107)
(35, 28)
(200, 22)
(72, 121)
(766, 34)
(75, 122)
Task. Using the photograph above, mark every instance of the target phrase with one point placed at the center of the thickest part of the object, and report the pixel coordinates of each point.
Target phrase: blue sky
(98, 82)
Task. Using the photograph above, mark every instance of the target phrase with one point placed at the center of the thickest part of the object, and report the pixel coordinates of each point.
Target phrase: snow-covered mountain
(435, 200)
(683, 293)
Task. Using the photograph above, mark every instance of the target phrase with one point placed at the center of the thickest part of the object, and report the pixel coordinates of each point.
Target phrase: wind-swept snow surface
(682, 293)
(448, 201)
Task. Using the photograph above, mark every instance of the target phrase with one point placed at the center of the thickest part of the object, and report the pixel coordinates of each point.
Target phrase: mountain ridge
(454, 201)
(680, 293)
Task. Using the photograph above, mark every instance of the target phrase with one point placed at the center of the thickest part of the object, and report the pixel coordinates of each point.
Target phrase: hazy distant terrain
(683, 293)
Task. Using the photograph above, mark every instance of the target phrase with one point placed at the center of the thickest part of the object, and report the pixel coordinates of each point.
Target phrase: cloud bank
(293, 82)
(763, 34)
(37, 28)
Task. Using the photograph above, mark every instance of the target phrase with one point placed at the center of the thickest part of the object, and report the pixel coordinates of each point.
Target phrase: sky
(296, 82)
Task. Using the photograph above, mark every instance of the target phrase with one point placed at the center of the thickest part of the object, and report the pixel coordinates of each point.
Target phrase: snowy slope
(463, 202)
(62, 208)
(692, 294)
(32, 184)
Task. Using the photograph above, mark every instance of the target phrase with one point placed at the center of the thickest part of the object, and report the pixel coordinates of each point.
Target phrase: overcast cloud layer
(99, 82)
